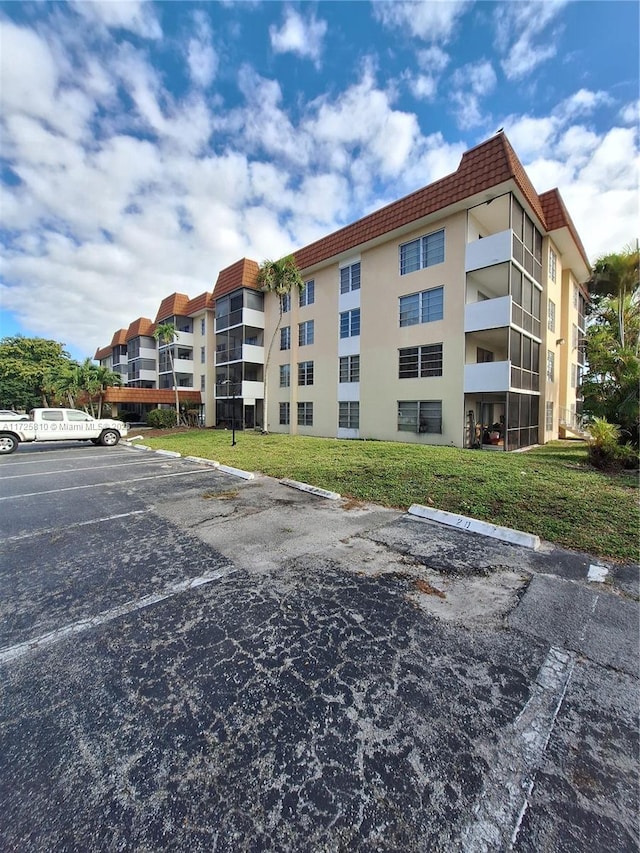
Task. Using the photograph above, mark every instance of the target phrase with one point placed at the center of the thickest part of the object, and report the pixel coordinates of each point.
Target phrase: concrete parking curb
(314, 490)
(211, 462)
(474, 525)
(173, 453)
(237, 472)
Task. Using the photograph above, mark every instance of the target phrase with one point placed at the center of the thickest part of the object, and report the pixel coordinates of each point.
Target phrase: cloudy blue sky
(145, 146)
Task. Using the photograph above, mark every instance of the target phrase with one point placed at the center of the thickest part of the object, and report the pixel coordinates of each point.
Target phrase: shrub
(128, 417)
(161, 418)
(605, 450)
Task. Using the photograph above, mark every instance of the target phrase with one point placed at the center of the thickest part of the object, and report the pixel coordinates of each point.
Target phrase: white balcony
(149, 375)
(251, 317)
(184, 338)
(253, 390)
(183, 365)
(146, 352)
(253, 354)
(488, 251)
(488, 376)
(487, 314)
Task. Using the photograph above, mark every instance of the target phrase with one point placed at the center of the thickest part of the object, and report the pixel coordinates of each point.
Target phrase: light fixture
(560, 341)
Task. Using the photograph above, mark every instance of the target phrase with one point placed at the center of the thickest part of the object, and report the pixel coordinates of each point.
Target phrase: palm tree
(166, 334)
(616, 275)
(279, 277)
(101, 379)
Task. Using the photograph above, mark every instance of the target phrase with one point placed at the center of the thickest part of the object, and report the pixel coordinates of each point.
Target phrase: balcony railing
(487, 314)
(486, 376)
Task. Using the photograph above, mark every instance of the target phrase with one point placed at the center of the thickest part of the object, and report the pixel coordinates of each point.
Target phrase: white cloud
(429, 20)
(522, 34)
(302, 36)
(471, 83)
(582, 103)
(136, 16)
(201, 55)
(630, 114)
(423, 87)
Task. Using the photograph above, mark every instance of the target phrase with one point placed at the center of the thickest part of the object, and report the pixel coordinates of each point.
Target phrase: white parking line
(99, 485)
(48, 530)
(74, 470)
(40, 456)
(498, 815)
(11, 653)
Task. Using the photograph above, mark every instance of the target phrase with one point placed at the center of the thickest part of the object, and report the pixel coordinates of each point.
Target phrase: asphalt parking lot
(191, 661)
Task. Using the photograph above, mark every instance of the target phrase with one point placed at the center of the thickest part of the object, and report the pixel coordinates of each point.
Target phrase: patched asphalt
(194, 662)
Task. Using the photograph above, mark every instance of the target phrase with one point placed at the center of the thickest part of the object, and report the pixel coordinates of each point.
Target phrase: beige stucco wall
(380, 339)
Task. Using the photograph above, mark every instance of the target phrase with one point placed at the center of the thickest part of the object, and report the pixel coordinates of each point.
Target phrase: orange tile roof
(175, 305)
(141, 326)
(243, 273)
(487, 165)
(105, 352)
(199, 303)
(557, 216)
(151, 395)
(119, 338)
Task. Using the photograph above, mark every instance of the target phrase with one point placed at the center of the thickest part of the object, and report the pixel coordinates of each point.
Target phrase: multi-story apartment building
(452, 316)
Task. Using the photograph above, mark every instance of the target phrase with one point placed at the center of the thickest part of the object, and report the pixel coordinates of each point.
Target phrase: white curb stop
(237, 472)
(211, 462)
(314, 490)
(140, 447)
(173, 453)
(474, 525)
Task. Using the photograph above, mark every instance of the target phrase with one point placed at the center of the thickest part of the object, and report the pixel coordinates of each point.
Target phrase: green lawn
(550, 491)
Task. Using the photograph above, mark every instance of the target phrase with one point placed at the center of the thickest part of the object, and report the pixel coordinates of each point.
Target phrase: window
(285, 375)
(285, 409)
(553, 264)
(305, 373)
(350, 278)
(203, 326)
(548, 416)
(423, 252)
(483, 356)
(76, 416)
(420, 416)
(203, 355)
(574, 336)
(308, 295)
(285, 299)
(551, 316)
(305, 414)
(574, 375)
(575, 295)
(551, 359)
(52, 415)
(350, 323)
(285, 337)
(202, 383)
(349, 414)
(305, 333)
(420, 362)
(350, 368)
(422, 307)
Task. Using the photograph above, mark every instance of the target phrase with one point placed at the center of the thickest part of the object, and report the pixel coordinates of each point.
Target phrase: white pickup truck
(60, 425)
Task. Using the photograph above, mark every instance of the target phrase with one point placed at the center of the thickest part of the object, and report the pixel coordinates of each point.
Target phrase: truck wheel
(8, 443)
(109, 438)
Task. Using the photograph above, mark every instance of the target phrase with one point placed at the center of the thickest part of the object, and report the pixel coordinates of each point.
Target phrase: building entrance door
(249, 417)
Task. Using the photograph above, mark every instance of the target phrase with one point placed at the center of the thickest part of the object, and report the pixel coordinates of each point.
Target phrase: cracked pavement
(190, 662)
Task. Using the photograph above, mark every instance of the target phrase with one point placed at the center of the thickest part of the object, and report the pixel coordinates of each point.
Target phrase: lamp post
(233, 410)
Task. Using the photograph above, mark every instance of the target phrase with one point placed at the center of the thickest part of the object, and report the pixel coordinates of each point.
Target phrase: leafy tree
(28, 368)
(166, 334)
(611, 385)
(280, 277)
